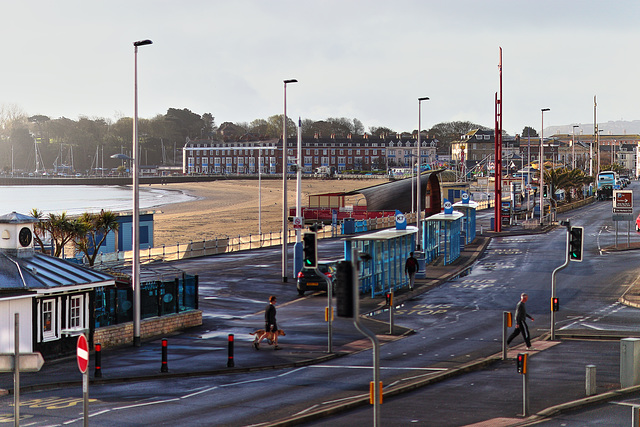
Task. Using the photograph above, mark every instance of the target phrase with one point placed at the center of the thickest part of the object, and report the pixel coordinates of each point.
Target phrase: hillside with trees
(80, 146)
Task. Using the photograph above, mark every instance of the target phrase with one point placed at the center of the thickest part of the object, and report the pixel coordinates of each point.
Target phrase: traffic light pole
(553, 280)
(329, 313)
(374, 340)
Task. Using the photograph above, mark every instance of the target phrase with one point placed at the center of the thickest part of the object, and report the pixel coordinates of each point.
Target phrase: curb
(576, 404)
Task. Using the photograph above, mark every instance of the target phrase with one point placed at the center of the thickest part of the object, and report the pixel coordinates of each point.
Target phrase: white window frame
(76, 311)
(49, 306)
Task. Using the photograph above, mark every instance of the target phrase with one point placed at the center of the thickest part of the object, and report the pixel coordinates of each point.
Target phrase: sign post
(622, 210)
(82, 353)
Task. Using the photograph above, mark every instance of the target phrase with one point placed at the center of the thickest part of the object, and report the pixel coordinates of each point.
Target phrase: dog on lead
(270, 335)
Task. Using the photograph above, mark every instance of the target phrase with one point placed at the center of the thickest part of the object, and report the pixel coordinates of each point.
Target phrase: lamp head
(290, 81)
(142, 42)
(423, 98)
(545, 109)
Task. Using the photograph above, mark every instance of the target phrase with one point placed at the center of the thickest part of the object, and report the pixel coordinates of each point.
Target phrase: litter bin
(349, 226)
(421, 274)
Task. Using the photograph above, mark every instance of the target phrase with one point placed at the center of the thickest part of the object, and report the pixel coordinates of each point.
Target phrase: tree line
(86, 144)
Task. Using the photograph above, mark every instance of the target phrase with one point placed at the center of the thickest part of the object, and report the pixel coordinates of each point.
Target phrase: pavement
(200, 352)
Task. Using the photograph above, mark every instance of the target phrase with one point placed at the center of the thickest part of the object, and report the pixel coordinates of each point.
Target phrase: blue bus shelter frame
(468, 220)
(389, 250)
(441, 236)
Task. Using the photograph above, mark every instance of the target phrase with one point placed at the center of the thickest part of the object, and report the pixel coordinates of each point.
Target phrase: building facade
(352, 153)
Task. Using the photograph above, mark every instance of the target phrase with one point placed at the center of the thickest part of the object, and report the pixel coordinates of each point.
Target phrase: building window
(75, 312)
(48, 319)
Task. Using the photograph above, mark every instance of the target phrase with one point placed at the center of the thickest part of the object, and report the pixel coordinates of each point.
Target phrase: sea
(77, 199)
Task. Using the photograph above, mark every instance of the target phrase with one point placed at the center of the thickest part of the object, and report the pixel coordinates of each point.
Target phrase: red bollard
(165, 367)
(230, 362)
(98, 371)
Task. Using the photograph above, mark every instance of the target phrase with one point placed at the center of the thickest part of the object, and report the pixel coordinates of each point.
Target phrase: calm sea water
(82, 198)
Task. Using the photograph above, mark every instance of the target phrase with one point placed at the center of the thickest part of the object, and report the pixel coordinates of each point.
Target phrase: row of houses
(363, 153)
(473, 152)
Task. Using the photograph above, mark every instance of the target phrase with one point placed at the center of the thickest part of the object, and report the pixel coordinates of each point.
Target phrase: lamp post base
(136, 341)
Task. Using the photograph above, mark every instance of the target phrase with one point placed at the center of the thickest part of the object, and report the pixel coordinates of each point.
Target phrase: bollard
(230, 363)
(590, 380)
(165, 366)
(97, 373)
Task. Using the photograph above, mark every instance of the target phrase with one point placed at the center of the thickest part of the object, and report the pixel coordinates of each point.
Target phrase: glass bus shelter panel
(431, 240)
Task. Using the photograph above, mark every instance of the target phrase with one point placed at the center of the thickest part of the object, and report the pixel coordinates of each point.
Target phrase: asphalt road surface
(455, 323)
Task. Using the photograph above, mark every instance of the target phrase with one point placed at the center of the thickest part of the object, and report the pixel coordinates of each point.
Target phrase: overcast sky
(369, 60)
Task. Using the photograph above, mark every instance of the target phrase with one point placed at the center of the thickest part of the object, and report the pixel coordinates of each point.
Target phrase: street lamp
(573, 147)
(135, 232)
(285, 214)
(419, 170)
(541, 166)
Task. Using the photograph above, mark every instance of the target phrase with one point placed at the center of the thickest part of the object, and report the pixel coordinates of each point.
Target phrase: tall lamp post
(135, 231)
(541, 166)
(573, 147)
(419, 172)
(285, 216)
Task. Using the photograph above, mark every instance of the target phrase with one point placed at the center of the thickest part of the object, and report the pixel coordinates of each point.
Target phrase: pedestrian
(270, 324)
(410, 269)
(521, 324)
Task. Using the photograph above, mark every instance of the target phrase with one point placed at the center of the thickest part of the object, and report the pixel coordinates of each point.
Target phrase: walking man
(521, 324)
(410, 269)
(270, 324)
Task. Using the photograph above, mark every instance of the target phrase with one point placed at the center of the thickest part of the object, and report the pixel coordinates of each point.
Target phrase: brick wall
(117, 335)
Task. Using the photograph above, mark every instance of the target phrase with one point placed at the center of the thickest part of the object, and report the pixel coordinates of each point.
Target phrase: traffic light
(521, 363)
(388, 298)
(576, 243)
(545, 191)
(344, 289)
(310, 250)
(555, 304)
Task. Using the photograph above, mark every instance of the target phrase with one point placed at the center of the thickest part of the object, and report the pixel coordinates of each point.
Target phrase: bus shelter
(468, 209)
(441, 236)
(389, 250)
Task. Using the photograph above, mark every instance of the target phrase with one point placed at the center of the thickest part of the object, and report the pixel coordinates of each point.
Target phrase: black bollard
(230, 363)
(98, 371)
(165, 367)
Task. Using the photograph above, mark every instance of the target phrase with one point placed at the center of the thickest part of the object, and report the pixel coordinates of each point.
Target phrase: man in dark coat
(521, 324)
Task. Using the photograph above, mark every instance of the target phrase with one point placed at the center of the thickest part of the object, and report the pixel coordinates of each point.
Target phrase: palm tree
(39, 231)
(92, 232)
(567, 180)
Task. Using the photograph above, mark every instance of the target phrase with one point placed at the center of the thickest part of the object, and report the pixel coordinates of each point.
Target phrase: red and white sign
(298, 222)
(82, 353)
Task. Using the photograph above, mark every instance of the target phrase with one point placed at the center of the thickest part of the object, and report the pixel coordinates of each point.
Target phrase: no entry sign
(82, 353)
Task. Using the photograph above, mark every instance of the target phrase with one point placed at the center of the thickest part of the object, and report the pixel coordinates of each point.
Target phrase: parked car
(310, 279)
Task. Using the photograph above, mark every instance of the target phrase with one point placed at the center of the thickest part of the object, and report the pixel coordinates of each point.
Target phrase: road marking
(138, 405)
(206, 390)
(387, 368)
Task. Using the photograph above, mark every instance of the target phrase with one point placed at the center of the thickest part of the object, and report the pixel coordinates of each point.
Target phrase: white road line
(388, 368)
(291, 372)
(206, 390)
(147, 404)
(99, 413)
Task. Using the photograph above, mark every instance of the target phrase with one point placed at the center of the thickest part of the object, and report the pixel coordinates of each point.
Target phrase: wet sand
(230, 208)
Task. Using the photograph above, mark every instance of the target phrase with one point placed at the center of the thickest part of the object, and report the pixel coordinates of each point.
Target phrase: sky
(368, 59)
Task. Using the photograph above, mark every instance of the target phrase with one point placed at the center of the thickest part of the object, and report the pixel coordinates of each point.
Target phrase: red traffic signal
(555, 304)
(521, 363)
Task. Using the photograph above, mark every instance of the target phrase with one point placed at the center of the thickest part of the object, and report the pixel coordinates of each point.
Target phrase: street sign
(82, 353)
(623, 201)
(298, 222)
(29, 362)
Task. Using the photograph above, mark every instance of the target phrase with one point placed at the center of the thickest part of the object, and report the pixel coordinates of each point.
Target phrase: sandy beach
(230, 208)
